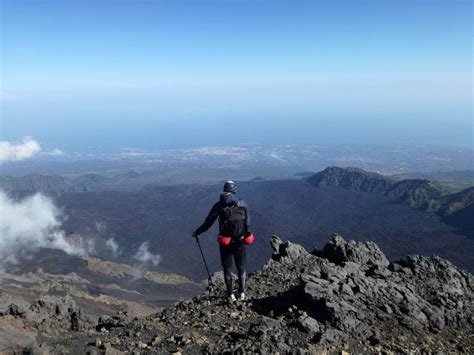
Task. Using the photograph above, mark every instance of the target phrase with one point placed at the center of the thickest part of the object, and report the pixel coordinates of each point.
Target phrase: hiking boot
(242, 297)
(232, 298)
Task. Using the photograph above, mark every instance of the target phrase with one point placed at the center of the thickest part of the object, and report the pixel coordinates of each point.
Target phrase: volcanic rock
(346, 297)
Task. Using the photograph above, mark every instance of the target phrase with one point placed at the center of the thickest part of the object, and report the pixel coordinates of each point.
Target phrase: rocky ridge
(345, 297)
(417, 193)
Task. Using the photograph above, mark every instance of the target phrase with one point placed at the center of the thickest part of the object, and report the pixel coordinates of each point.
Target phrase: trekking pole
(205, 264)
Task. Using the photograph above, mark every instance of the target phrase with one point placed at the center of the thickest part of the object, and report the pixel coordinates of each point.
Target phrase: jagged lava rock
(55, 315)
(339, 251)
(346, 296)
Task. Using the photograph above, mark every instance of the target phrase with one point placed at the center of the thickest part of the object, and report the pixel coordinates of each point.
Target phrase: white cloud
(143, 255)
(33, 223)
(19, 151)
(54, 153)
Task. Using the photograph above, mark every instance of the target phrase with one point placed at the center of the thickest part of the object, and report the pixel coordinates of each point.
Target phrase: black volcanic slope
(418, 193)
(454, 208)
(165, 216)
(464, 220)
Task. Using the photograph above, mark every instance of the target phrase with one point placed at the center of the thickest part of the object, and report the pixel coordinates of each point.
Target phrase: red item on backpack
(223, 240)
(248, 239)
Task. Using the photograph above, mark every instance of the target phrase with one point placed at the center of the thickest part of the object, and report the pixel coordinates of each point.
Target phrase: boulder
(108, 322)
(339, 251)
(285, 249)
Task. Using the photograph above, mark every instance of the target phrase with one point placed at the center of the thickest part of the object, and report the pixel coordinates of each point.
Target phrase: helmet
(229, 186)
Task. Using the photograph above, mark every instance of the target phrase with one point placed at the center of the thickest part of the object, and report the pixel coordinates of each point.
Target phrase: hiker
(234, 223)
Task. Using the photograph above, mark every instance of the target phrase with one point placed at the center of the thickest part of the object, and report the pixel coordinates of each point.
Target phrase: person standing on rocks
(234, 224)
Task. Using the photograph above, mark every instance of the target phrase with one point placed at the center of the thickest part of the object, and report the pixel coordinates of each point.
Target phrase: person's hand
(194, 235)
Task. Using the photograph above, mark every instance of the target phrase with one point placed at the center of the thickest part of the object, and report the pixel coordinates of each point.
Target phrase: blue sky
(170, 74)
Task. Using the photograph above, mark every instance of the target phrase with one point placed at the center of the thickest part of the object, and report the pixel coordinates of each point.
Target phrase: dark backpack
(233, 221)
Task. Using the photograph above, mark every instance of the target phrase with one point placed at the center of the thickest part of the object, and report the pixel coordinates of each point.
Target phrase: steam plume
(143, 255)
(33, 223)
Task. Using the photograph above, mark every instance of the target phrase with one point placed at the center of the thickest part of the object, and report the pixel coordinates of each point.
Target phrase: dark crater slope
(165, 216)
(417, 193)
(345, 297)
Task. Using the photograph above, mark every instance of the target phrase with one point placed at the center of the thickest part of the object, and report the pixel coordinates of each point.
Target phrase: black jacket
(226, 199)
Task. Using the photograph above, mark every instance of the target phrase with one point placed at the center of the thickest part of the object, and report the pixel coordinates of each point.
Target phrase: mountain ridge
(417, 193)
(348, 177)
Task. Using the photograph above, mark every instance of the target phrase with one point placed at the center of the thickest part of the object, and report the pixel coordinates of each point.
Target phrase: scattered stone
(98, 342)
(156, 341)
(13, 310)
(309, 324)
(234, 315)
(105, 323)
(142, 345)
(113, 351)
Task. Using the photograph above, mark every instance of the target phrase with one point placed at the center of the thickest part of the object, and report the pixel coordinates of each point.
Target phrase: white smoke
(143, 255)
(107, 245)
(19, 151)
(112, 245)
(33, 223)
(101, 227)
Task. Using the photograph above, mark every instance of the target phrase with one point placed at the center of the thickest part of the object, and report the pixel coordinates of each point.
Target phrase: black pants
(235, 250)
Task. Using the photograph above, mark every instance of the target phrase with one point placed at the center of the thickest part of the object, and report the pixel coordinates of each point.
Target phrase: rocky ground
(345, 298)
(40, 305)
